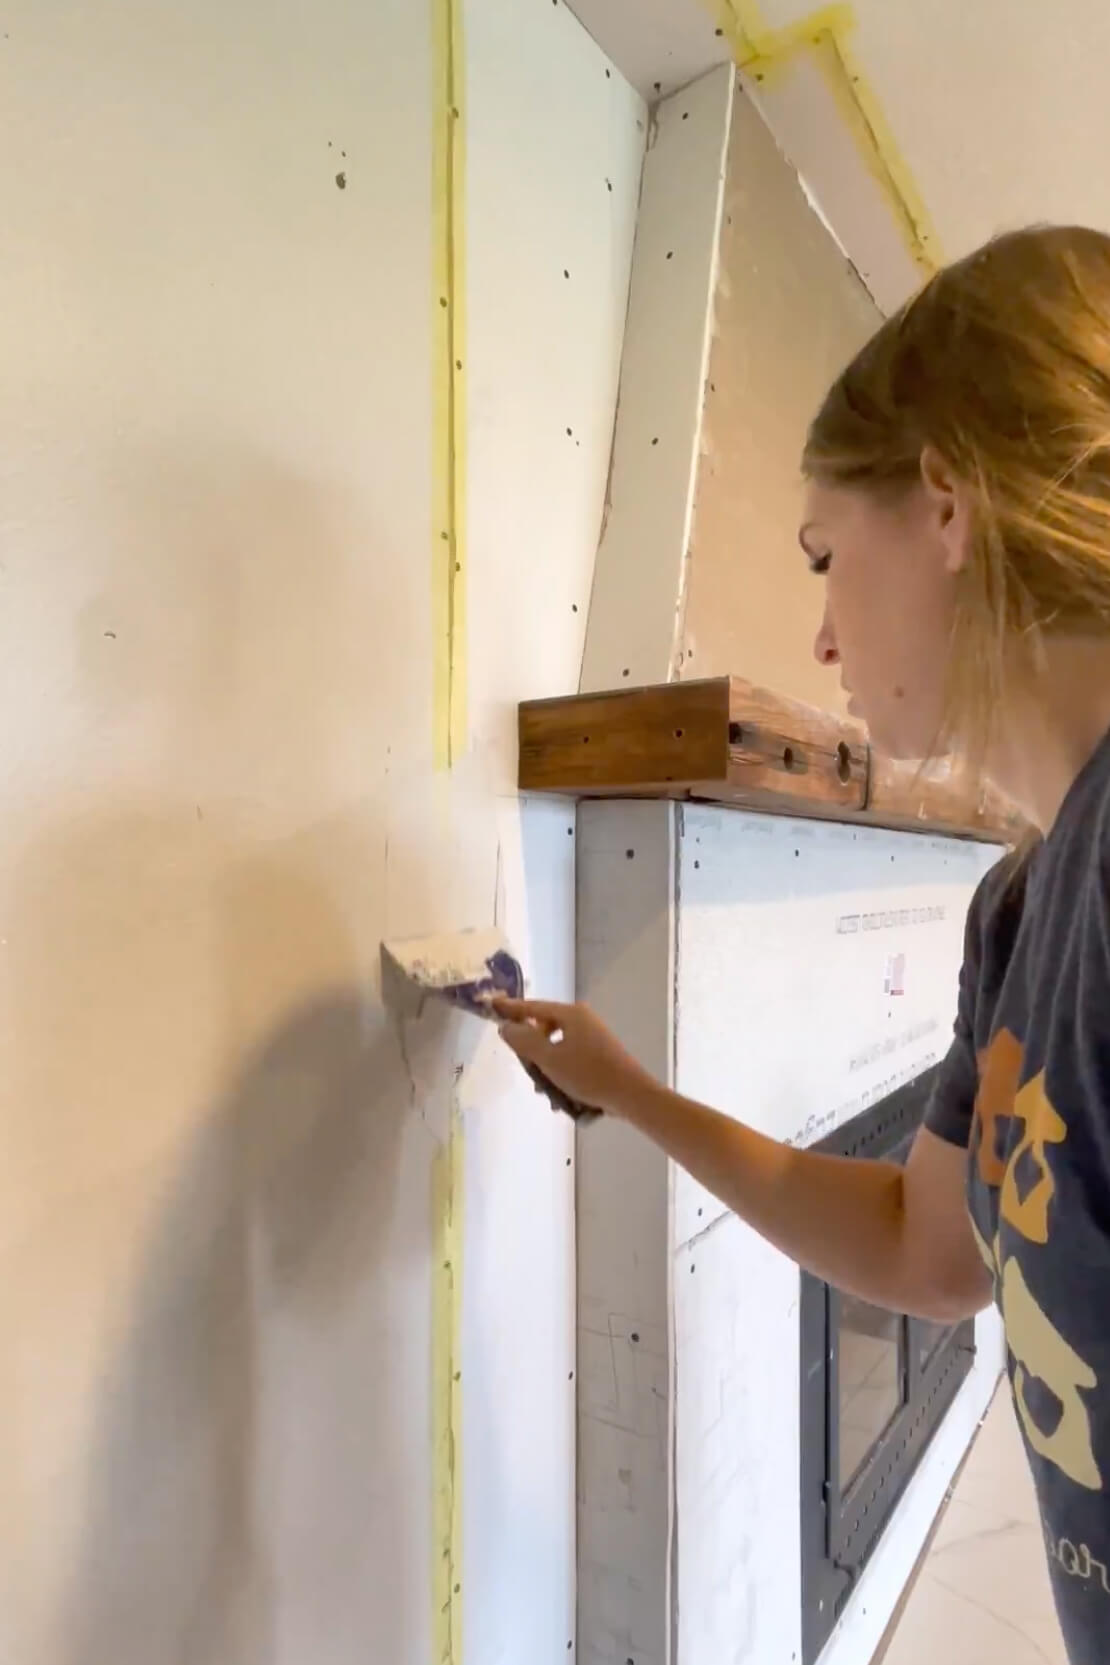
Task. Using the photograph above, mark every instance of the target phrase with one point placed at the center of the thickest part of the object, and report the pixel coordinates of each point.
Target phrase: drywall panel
(819, 970)
(658, 46)
(789, 312)
(808, 117)
(737, 1451)
(737, 1462)
(222, 1180)
(555, 140)
(637, 589)
(625, 971)
(755, 962)
(1023, 108)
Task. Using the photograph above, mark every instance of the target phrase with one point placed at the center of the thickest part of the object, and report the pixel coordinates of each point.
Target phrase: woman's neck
(1051, 726)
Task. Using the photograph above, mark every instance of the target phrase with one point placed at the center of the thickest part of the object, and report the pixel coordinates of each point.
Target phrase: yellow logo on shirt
(1038, 1348)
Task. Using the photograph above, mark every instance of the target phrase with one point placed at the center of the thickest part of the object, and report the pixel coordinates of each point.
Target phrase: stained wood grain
(724, 740)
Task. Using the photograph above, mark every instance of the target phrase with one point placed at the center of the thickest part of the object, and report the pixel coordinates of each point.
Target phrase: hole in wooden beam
(736, 734)
(788, 757)
(843, 763)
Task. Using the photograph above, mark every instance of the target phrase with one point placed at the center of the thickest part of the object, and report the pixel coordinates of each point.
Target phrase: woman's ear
(949, 503)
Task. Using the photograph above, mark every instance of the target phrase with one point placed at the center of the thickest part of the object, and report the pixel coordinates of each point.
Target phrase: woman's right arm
(899, 1237)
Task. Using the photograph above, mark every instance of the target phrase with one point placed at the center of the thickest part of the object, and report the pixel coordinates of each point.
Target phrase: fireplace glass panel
(871, 1380)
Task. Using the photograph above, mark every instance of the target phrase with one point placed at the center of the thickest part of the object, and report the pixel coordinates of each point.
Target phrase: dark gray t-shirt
(1026, 1089)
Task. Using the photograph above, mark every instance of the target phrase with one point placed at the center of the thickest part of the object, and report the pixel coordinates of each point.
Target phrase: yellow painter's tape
(447, 1247)
(448, 384)
(824, 35)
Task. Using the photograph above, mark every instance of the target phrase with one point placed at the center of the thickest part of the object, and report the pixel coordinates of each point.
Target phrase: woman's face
(891, 568)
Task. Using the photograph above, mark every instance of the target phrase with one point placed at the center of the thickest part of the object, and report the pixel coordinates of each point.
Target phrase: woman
(958, 509)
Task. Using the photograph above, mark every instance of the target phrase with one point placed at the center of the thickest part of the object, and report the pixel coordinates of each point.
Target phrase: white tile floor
(982, 1596)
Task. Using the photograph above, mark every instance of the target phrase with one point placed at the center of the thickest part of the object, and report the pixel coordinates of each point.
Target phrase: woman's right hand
(572, 1047)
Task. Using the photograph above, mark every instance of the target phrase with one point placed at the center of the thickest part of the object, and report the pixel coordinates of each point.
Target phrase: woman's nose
(825, 650)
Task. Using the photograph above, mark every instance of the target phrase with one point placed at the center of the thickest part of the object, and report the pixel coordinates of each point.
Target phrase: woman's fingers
(524, 1038)
(529, 1011)
(520, 1011)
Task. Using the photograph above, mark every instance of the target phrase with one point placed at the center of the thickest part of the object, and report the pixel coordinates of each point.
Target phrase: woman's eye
(820, 564)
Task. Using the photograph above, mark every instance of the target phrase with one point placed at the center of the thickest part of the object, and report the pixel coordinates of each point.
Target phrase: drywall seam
(447, 1230)
(448, 392)
(764, 53)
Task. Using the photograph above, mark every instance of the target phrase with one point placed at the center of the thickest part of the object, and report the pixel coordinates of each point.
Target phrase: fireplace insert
(875, 1387)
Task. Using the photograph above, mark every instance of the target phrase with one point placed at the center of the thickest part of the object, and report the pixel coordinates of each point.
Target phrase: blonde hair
(1002, 365)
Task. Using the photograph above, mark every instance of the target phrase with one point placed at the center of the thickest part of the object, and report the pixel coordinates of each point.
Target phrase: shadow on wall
(250, 1419)
(217, 1297)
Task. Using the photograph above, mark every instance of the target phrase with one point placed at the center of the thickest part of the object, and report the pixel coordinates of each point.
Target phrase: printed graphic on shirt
(1025, 1188)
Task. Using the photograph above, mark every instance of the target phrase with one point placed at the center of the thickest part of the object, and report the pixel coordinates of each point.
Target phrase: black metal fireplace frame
(841, 1528)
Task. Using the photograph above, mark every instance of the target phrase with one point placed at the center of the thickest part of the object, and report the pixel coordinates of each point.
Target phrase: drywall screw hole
(655, 441)
(634, 1336)
(566, 274)
(670, 254)
(843, 763)
(629, 854)
(697, 864)
(686, 115)
(626, 672)
(574, 606)
(788, 757)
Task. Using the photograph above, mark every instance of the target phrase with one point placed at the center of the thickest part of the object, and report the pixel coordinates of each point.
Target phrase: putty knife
(468, 969)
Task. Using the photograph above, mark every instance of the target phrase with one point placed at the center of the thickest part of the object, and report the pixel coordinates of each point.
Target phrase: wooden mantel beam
(725, 741)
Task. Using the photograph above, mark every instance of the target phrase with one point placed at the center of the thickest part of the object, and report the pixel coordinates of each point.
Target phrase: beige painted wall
(789, 311)
(217, 795)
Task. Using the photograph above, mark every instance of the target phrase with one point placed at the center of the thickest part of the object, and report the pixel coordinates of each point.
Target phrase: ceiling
(995, 111)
